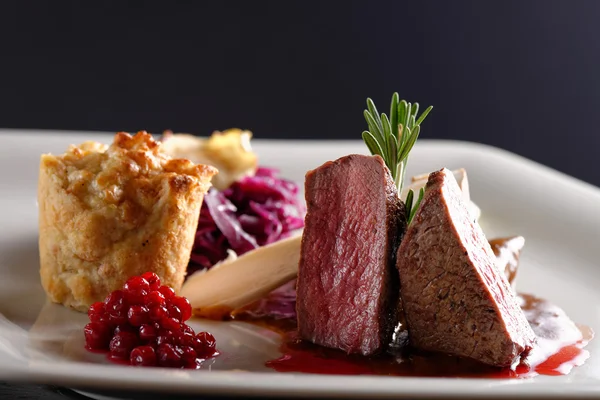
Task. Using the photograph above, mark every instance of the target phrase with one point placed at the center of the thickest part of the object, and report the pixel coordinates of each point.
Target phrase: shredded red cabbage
(280, 303)
(252, 212)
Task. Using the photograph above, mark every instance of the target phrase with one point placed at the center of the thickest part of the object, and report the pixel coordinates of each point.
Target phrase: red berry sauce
(144, 325)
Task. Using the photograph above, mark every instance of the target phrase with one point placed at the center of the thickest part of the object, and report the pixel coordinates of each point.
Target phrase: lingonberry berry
(136, 284)
(96, 312)
(158, 313)
(162, 339)
(143, 356)
(147, 333)
(204, 344)
(184, 339)
(184, 306)
(121, 345)
(152, 279)
(138, 315)
(188, 357)
(154, 298)
(185, 328)
(171, 324)
(168, 356)
(174, 312)
(166, 291)
(97, 336)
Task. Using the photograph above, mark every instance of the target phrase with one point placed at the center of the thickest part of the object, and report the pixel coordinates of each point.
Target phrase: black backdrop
(521, 75)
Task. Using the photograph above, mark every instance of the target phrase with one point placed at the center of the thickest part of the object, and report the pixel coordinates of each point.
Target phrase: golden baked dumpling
(109, 213)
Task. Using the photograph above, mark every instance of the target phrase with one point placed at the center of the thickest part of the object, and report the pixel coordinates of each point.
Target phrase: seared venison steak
(456, 300)
(347, 288)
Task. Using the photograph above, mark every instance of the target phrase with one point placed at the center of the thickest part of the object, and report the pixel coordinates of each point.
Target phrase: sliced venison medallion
(347, 288)
(456, 300)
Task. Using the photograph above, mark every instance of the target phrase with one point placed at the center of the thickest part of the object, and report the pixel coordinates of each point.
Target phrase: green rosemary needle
(393, 138)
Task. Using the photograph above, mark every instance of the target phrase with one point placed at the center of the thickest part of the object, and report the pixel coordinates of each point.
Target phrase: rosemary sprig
(410, 210)
(393, 138)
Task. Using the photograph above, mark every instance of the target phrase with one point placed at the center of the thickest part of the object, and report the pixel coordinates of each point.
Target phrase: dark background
(521, 75)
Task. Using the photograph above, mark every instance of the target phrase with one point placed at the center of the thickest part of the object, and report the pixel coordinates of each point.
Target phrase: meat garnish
(347, 285)
(455, 298)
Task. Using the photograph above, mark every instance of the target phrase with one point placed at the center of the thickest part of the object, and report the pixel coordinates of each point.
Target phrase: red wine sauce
(560, 348)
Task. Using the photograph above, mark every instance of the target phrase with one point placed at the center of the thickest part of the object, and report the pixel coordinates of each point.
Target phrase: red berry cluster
(144, 323)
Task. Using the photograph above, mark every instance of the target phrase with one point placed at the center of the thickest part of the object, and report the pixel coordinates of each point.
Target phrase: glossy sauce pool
(560, 348)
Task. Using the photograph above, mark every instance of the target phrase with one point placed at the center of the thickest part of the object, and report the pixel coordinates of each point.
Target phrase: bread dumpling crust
(107, 213)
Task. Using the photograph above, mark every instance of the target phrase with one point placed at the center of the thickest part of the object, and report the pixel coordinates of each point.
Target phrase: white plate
(558, 215)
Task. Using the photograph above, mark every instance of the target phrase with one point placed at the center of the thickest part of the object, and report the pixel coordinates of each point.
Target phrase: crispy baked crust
(109, 213)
